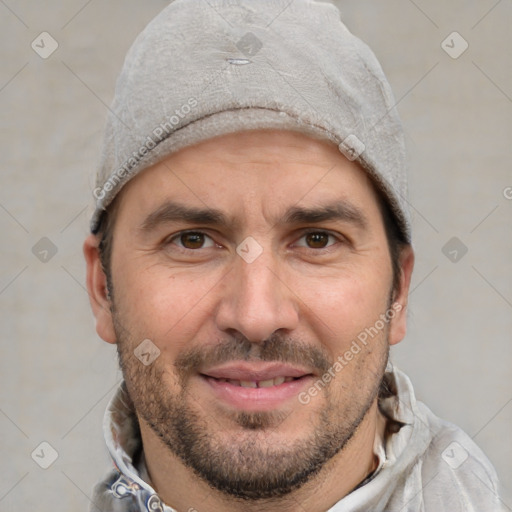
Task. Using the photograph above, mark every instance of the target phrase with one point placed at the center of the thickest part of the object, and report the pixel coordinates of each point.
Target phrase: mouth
(252, 387)
(277, 381)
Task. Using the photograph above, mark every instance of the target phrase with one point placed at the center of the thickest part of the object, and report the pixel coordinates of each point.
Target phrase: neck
(182, 490)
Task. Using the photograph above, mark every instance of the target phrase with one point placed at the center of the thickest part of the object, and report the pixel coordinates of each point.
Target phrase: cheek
(342, 308)
(162, 305)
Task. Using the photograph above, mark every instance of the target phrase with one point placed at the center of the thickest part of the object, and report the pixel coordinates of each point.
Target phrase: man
(251, 258)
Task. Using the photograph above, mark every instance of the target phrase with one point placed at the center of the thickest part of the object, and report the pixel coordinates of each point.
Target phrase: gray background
(57, 376)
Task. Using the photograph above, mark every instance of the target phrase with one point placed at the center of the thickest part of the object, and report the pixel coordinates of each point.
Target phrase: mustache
(276, 348)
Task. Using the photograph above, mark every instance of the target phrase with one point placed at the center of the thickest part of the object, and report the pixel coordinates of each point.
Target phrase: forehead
(255, 172)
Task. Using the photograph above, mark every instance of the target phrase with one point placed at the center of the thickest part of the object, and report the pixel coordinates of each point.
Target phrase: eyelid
(309, 231)
(172, 238)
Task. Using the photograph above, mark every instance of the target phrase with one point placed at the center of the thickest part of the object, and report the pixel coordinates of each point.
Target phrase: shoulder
(456, 474)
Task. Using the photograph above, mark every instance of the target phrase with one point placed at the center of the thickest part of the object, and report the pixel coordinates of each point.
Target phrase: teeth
(248, 384)
(258, 384)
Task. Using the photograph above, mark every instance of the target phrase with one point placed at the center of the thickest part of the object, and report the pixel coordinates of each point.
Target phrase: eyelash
(338, 239)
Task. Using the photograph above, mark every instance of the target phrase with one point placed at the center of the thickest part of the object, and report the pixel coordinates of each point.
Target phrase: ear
(97, 289)
(398, 324)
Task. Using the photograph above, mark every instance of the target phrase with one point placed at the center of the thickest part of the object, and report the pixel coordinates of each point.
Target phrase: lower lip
(256, 399)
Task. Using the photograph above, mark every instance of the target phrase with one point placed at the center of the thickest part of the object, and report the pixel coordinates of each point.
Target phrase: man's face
(253, 262)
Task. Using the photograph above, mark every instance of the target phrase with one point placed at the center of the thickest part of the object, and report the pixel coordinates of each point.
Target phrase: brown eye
(192, 240)
(317, 240)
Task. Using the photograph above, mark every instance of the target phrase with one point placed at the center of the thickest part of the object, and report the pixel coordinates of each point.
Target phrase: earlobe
(97, 288)
(398, 325)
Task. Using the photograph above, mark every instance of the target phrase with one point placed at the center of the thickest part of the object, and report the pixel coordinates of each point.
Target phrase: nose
(256, 301)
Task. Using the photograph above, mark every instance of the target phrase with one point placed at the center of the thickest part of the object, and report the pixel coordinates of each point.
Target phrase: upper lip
(255, 372)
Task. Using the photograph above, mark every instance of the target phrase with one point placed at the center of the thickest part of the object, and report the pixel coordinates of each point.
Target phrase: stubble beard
(248, 465)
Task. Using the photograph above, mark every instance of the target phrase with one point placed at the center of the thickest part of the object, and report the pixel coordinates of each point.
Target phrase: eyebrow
(339, 210)
(172, 211)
